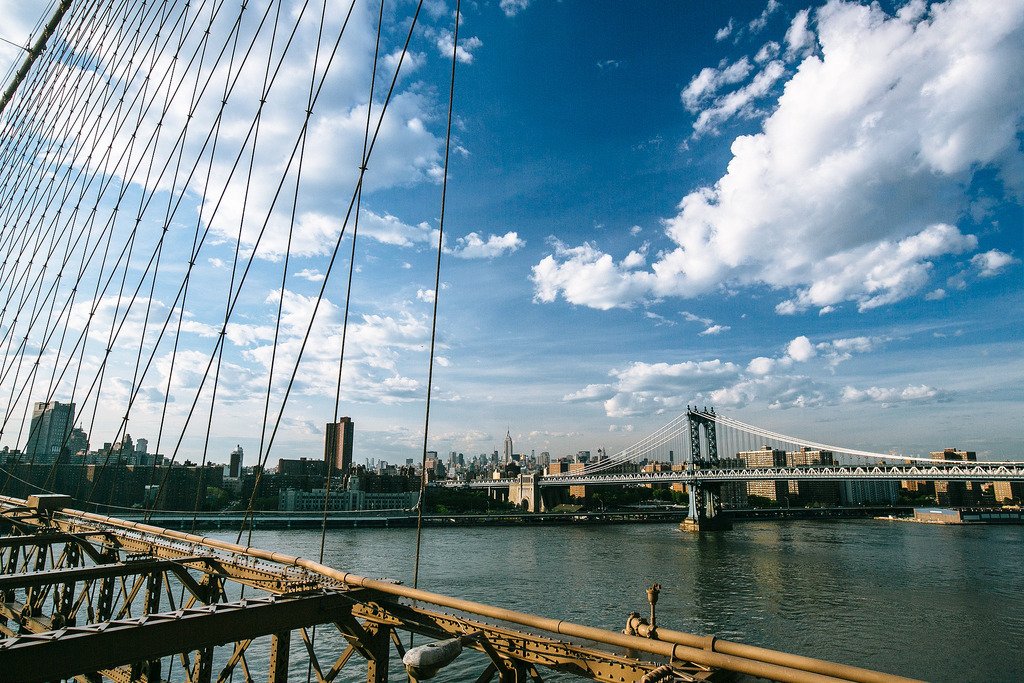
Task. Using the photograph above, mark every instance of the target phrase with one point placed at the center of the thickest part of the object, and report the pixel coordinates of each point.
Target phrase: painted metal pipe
(844, 671)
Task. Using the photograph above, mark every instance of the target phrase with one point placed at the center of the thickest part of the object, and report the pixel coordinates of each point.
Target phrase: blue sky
(808, 216)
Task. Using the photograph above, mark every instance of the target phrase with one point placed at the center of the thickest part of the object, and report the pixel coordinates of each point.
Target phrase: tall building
(956, 493)
(766, 456)
(49, 431)
(235, 468)
(508, 446)
(823, 492)
(338, 445)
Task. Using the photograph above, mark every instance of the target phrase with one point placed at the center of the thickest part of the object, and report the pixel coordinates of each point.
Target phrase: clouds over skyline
(852, 190)
(799, 377)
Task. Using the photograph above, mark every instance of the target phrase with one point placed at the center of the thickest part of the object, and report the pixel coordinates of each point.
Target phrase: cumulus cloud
(466, 48)
(992, 262)
(584, 275)
(890, 395)
(425, 295)
(801, 349)
(651, 388)
(473, 246)
(641, 388)
(311, 274)
(851, 190)
(715, 329)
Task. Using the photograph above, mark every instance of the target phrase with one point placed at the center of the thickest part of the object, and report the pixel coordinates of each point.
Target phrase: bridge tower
(705, 497)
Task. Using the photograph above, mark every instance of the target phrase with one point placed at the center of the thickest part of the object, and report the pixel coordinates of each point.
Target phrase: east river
(940, 603)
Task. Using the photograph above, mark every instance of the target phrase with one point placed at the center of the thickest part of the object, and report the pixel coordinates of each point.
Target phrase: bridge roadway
(944, 472)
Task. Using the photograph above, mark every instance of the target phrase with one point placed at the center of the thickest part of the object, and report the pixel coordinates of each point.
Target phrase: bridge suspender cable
(437, 296)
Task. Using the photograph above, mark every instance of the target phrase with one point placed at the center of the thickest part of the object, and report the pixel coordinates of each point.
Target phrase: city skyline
(806, 215)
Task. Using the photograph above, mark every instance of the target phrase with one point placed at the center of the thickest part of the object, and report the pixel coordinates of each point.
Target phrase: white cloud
(739, 102)
(425, 295)
(935, 295)
(710, 79)
(473, 246)
(892, 395)
(466, 48)
(761, 365)
(215, 262)
(799, 38)
(758, 24)
(311, 274)
(801, 349)
(715, 329)
(992, 262)
(592, 392)
(659, 319)
(656, 387)
(513, 7)
(851, 189)
(724, 32)
(768, 52)
(694, 318)
(588, 277)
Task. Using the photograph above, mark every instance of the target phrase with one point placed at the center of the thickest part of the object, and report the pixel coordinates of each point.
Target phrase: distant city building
(338, 445)
(869, 492)
(235, 468)
(298, 468)
(49, 431)
(508, 446)
(78, 442)
(142, 446)
(1008, 491)
(954, 493)
(766, 456)
(733, 494)
(820, 492)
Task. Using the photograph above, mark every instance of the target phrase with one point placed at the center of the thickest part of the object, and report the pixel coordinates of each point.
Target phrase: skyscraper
(48, 434)
(338, 445)
(508, 446)
(235, 469)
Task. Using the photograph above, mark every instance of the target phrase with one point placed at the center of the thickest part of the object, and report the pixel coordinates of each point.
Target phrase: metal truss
(940, 472)
(89, 598)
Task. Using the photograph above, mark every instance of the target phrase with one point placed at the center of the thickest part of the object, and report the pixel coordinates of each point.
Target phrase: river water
(940, 603)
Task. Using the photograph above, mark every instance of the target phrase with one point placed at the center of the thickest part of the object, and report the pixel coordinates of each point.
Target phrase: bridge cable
(437, 296)
(329, 464)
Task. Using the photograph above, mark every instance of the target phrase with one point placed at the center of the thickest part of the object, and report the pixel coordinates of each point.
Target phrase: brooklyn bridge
(135, 138)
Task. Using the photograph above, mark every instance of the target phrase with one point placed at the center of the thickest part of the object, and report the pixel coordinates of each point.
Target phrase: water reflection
(894, 596)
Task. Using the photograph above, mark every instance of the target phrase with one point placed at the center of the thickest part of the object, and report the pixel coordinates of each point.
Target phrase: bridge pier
(705, 497)
(525, 492)
(705, 510)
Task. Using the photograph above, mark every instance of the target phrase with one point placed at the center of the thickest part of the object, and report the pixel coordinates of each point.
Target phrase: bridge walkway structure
(87, 597)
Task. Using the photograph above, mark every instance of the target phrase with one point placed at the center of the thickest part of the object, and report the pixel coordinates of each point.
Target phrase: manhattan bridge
(136, 137)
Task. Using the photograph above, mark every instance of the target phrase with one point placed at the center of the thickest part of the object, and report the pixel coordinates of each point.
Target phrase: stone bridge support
(525, 492)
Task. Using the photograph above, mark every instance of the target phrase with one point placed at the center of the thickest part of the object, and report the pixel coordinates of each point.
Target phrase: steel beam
(77, 650)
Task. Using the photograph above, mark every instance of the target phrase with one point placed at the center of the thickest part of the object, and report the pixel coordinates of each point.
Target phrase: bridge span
(969, 472)
(707, 467)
